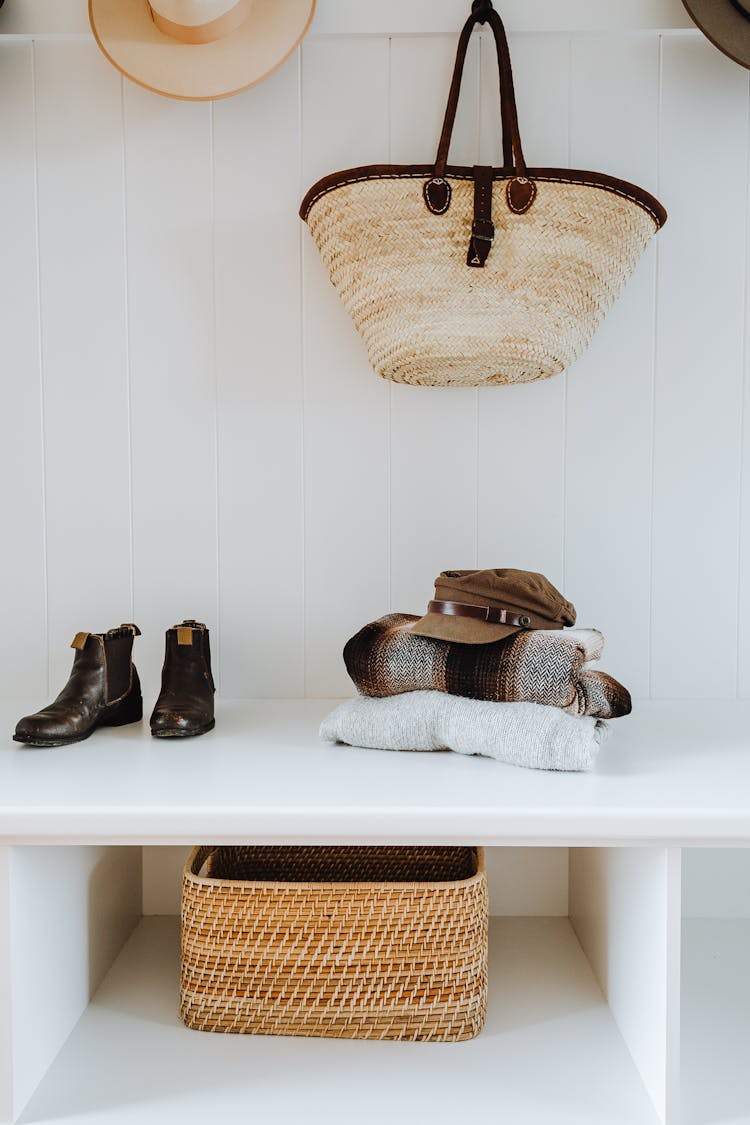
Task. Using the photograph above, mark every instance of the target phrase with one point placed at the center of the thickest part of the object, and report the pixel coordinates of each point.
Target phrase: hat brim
(128, 36)
(726, 28)
(462, 630)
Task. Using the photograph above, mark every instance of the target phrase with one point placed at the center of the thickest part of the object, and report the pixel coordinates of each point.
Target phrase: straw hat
(726, 23)
(198, 49)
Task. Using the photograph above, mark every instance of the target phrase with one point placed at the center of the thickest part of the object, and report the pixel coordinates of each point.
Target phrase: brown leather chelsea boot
(103, 690)
(185, 706)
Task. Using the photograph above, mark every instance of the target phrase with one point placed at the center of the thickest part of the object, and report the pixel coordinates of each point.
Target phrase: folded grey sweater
(522, 734)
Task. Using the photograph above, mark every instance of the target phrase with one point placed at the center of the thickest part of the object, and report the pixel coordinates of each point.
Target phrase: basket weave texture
(343, 942)
(550, 278)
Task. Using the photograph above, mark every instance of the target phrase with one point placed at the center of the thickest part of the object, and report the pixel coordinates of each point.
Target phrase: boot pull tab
(184, 635)
(79, 641)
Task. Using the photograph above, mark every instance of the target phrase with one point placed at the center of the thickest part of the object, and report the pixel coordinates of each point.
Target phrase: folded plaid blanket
(521, 734)
(547, 666)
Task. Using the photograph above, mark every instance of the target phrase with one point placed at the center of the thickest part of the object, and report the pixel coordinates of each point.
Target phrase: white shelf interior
(716, 1021)
(591, 986)
(586, 1010)
(550, 1053)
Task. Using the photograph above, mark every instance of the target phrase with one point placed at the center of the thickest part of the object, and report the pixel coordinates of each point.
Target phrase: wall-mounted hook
(481, 9)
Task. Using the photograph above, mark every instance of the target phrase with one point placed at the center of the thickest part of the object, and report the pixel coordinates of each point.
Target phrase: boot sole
(55, 741)
(114, 721)
(176, 732)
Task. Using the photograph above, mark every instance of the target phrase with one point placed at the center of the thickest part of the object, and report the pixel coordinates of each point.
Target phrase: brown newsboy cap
(476, 607)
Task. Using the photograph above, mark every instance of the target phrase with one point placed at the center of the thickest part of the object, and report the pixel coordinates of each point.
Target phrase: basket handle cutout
(198, 862)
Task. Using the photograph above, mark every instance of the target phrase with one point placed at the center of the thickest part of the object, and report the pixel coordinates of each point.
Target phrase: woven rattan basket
(344, 942)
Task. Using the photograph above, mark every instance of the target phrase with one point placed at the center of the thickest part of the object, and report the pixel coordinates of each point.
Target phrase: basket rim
(189, 875)
(573, 176)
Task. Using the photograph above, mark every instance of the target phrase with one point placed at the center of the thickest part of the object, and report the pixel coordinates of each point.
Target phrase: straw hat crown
(198, 50)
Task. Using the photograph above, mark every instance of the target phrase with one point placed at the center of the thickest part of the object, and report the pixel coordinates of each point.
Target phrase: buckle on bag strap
(482, 228)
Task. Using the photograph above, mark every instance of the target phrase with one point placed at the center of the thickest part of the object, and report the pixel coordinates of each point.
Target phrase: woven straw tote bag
(461, 276)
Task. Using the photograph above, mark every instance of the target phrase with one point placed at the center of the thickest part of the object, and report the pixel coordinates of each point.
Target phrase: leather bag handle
(521, 191)
(437, 194)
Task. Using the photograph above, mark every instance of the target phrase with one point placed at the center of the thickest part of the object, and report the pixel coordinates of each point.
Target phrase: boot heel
(128, 710)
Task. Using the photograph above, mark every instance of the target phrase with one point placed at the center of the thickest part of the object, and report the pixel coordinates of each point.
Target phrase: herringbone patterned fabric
(547, 666)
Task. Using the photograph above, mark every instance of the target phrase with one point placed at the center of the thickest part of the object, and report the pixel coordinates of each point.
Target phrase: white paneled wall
(189, 423)
(700, 349)
(609, 421)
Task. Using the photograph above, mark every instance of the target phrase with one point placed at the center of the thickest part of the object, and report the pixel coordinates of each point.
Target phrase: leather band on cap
(489, 613)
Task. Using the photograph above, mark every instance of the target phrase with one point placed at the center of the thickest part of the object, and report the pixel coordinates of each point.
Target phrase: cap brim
(132, 42)
(462, 630)
(726, 28)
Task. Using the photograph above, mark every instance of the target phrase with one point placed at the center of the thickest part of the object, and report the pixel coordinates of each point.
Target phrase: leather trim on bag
(482, 228)
(511, 137)
(520, 193)
(437, 195)
(366, 172)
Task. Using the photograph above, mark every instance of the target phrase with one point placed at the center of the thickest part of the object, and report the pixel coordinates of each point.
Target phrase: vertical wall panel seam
(215, 364)
(480, 158)
(654, 374)
(128, 374)
(302, 361)
(743, 378)
(301, 228)
(566, 374)
(42, 413)
(389, 410)
(389, 497)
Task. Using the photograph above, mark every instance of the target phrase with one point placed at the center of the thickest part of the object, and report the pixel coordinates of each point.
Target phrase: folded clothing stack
(548, 666)
(522, 734)
(490, 669)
